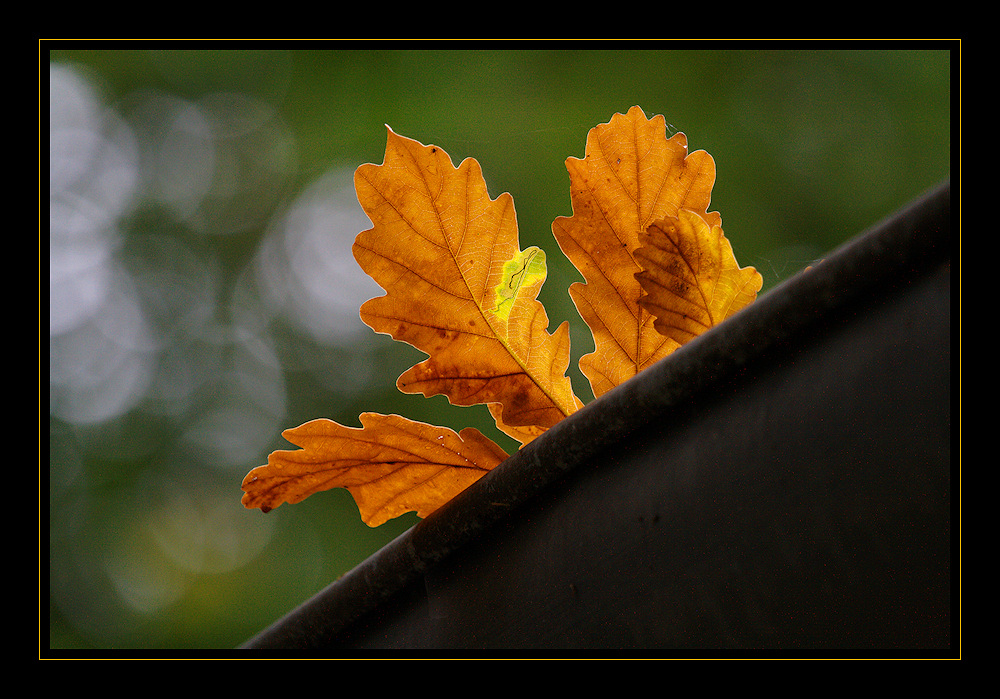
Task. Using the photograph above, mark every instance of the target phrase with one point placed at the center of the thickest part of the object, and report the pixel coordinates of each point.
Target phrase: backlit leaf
(690, 275)
(391, 465)
(459, 288)
(657, 271)
(630, 176)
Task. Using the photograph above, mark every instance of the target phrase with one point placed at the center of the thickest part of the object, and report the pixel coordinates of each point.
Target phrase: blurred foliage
(203, 296)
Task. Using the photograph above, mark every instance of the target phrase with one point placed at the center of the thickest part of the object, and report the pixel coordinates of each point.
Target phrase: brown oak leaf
(391, 465)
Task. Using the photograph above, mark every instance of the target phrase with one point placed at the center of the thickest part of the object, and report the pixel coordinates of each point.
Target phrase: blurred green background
(203, 296)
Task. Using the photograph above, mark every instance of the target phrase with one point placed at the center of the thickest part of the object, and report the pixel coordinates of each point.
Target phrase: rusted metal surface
(782, 481)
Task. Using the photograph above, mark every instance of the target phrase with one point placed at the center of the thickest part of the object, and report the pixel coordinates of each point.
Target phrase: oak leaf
(391, 465)
(690, 275)
(631, 175)
(459, 288)
(657, 270)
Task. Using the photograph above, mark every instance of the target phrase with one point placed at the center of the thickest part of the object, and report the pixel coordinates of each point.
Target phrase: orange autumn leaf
(460, 289)
(657, 271)
(631, 176)
(690, 275)
(391, 465)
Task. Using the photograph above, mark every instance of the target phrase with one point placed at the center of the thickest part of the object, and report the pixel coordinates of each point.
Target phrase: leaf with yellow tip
(690, 275)
(630, 176)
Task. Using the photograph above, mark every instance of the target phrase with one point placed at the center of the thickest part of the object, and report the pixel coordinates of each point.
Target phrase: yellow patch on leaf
(391, 465)
(631, 176)
(521, 275)
(459, 288)
(690, 275)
